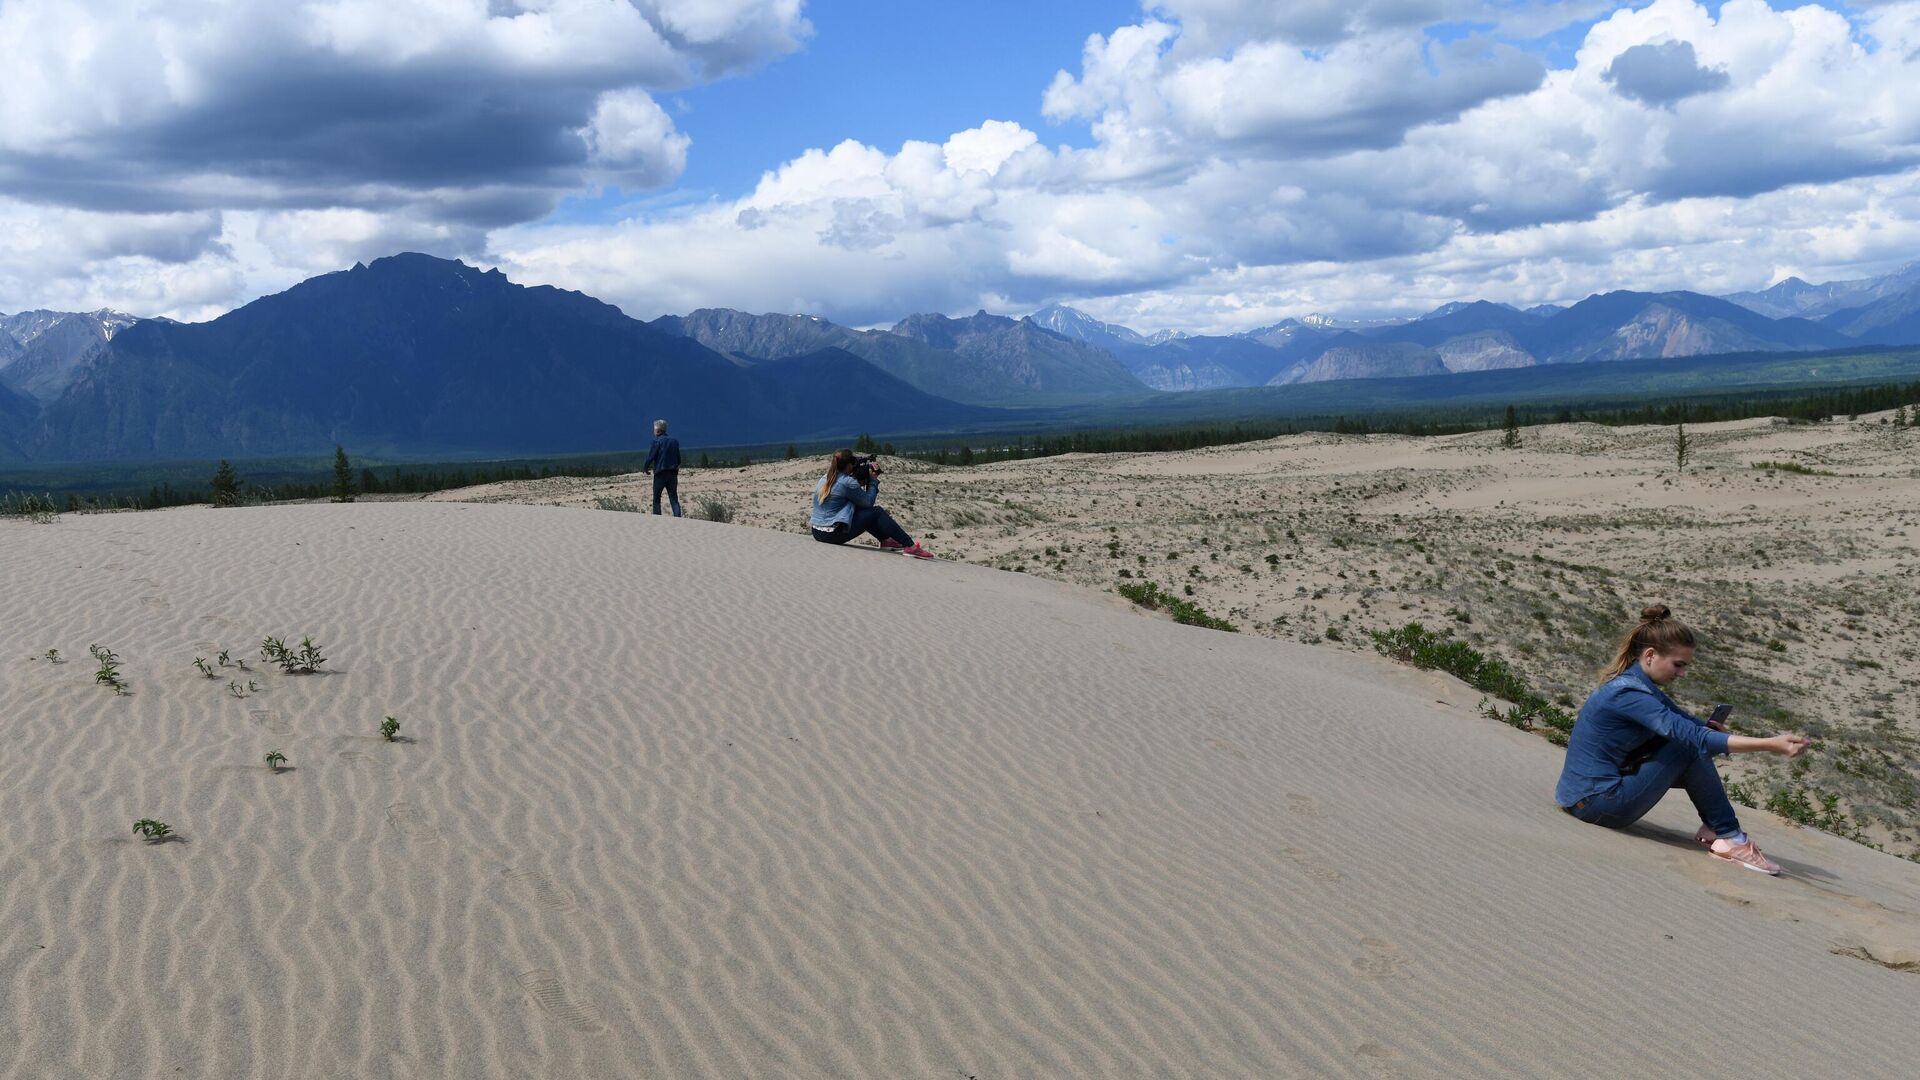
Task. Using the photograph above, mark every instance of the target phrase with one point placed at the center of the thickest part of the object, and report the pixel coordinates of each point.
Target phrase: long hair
(838, 465)
(1657, 630)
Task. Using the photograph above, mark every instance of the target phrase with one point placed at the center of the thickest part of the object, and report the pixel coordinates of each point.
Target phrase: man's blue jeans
(1672, 765)
(667, 480)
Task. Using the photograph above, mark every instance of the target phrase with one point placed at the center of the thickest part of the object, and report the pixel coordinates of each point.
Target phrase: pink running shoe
(917, 551)
(891, 544)
(1706, 836)
(1746, 855)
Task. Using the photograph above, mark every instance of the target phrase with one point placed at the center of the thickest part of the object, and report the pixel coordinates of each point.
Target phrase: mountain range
(413, 355)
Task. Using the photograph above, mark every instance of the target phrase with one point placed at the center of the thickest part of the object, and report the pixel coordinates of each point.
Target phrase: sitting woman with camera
(843, 507)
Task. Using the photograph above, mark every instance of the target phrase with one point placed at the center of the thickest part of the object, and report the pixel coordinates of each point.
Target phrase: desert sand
(683, 799)
(1805, 586)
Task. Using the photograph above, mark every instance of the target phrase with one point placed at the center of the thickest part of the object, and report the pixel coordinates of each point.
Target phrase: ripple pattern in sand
(653, 819)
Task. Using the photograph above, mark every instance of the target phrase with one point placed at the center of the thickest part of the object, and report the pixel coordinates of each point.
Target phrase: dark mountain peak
(945, 333)
(1458, 306)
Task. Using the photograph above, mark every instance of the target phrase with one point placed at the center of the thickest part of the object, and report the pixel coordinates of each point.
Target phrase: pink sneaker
(1747, 855)
(917, 551)
(891, 544)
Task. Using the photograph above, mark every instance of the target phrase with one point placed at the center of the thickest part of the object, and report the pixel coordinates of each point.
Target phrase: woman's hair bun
(1655, 613)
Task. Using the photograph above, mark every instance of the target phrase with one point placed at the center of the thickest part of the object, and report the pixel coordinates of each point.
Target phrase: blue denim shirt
(837, 508)
(665, 455)
(1618, 718)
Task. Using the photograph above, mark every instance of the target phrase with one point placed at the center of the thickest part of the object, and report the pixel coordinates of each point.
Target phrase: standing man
(663, 461)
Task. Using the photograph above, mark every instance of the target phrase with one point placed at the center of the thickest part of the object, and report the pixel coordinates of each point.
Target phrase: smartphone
(1719, 717)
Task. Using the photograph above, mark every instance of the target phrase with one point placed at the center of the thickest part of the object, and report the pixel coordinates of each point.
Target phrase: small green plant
(224, 660)
(712, 509)
(108, 673)
(622, 503)
(53, 656)
(276, 760)
(200, 664)
(389, 729)
(302, 661)
(308, 659)
(153, 830)
(234, 689)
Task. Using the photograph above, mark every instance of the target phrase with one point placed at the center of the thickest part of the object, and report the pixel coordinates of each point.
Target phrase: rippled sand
(682, 799)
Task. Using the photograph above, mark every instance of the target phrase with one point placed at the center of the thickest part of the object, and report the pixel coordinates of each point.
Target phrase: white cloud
(1249, 160)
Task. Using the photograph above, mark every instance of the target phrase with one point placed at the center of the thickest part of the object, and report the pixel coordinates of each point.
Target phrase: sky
(1199, 165)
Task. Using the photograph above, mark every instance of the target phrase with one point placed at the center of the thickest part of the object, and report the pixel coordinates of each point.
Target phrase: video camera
(865, 468)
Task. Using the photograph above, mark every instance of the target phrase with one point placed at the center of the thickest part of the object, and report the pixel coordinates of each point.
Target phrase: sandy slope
(1805, 586)
(683, 799)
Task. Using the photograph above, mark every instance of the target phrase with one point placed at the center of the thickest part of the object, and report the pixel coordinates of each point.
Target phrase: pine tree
(226, 486)
(1511, 439)
(792, 452)
(1900, 417)
(1682, 446)
(342, 476)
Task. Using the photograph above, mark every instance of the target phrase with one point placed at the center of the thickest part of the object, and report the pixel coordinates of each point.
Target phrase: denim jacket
(665, 455)
(1620, 717)
(842, 499)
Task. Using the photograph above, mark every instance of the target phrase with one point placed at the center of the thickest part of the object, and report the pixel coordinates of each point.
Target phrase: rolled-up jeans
(1674, 765)
(866, 519)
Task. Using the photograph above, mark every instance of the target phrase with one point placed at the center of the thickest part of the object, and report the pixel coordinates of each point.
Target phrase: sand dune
(1806, 585)
(682, 799)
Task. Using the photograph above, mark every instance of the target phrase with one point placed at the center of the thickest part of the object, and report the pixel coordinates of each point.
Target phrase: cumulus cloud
(1662, 74)
(375, 104)
(1247, 160)
(1378, 168)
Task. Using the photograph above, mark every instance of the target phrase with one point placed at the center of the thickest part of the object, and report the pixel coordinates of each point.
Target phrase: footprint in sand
(1306, 806)
(412, 823)
(551, 995)
(269, 720)
(1380, 959)
(367, 763)
(545, 891)
(1226, 747)
(1314, 866)
(1377, 1060)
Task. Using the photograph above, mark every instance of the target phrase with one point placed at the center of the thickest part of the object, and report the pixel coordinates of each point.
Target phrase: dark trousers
(667, 480)
(866, 519)
(1673, 765)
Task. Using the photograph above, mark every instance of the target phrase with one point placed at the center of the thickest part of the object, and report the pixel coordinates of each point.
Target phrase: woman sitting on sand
(1631, 744)
(843, 508)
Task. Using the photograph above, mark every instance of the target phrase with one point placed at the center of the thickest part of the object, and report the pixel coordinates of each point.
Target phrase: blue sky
(1203, 165)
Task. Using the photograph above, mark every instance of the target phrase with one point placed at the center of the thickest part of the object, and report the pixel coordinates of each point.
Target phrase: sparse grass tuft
(622, 503)
(1791, 467)
(711, 508)
(1415, 644)
(1150, 596)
